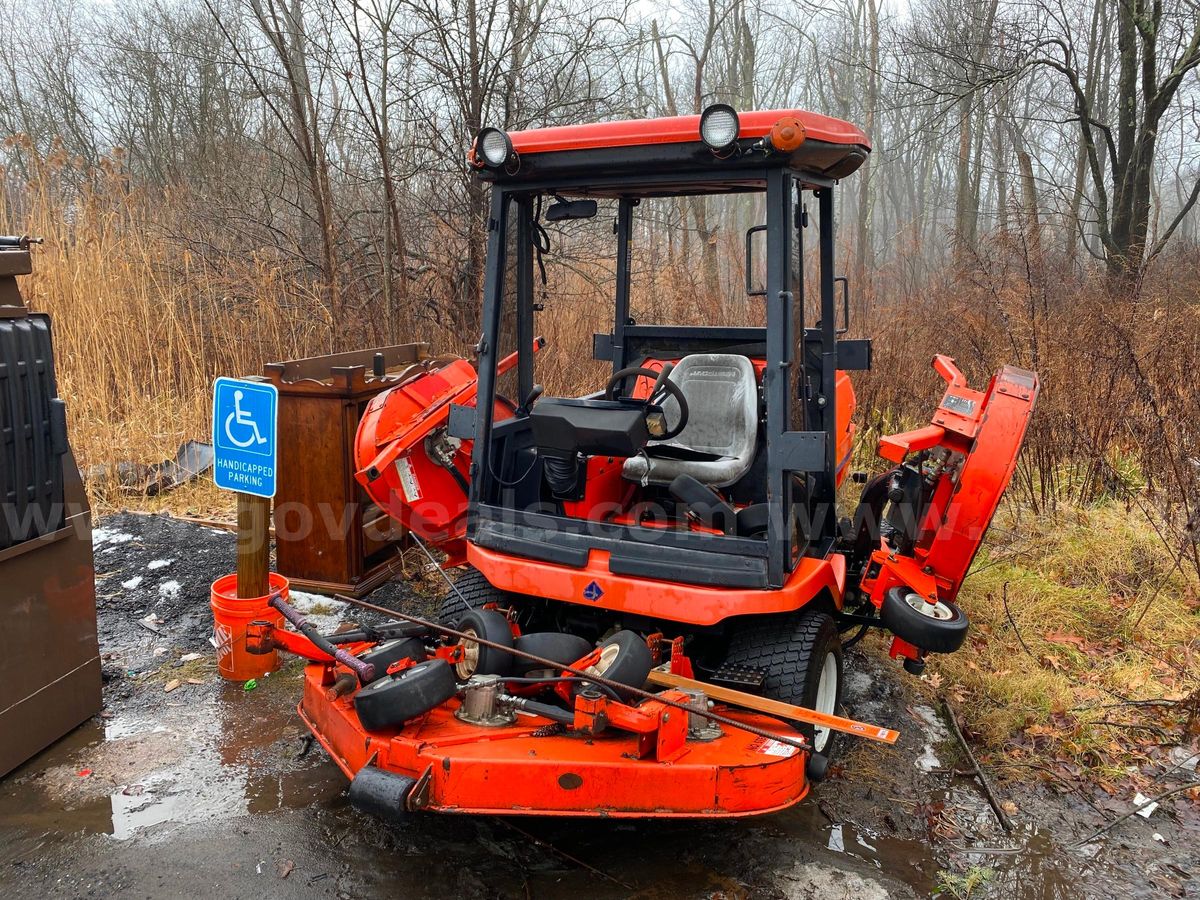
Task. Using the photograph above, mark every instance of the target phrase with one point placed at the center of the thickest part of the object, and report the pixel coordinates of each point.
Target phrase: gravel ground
(208, 788)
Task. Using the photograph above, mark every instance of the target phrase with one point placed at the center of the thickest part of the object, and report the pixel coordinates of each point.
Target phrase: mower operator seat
(717, 445)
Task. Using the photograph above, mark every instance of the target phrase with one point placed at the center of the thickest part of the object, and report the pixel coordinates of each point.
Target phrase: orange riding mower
(656, 586)
(480, 716)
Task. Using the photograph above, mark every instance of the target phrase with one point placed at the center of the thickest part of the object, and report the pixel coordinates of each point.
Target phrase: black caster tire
(392, 700)
(478, 659)
(390, 652)
(562, 648)
(939, 627)
(625, 659)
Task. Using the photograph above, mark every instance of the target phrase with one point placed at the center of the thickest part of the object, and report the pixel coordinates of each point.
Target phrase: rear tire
(801, 656)
(472, 591)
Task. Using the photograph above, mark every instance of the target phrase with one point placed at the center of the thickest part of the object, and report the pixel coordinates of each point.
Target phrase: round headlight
(493, 147)
(719, 126)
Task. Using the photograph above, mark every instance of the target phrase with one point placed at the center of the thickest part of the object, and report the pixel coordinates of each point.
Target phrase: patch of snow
(812, 879)
(331, 611)
(1144, 806)
(169, 590)
(158, 563)
(1184, 758)
(111, 536)
(936, 732)
(132, 583)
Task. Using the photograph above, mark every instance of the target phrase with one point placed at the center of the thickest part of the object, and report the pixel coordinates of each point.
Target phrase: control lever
(662, 377)
(530, 399)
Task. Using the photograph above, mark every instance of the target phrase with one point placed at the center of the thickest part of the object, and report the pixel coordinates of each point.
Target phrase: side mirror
(565, 210)
(751, 290)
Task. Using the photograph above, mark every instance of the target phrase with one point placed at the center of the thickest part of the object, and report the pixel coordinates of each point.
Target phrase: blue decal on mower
(592, 592)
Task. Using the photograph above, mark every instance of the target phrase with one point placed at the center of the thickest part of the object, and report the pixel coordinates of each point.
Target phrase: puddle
(203, 760)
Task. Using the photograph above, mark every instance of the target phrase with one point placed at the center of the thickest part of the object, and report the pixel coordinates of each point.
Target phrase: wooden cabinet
(329, 537)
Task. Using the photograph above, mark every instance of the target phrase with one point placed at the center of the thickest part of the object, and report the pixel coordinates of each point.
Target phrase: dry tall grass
(140, 328)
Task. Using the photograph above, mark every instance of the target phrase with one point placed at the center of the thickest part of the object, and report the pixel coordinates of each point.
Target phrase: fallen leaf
(1009, 807)
(172, 685)
(1060, 637)
(284, 867)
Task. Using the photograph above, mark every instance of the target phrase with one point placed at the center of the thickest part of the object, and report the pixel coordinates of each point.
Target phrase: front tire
(801, 656)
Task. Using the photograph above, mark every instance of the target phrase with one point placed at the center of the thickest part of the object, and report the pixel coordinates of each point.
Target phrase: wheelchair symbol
(242, 418)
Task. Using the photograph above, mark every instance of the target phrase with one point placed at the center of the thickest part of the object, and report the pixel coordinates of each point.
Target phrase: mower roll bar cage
(799, 382)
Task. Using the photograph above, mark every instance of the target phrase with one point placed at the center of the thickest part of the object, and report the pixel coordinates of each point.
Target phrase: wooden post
(253, 546)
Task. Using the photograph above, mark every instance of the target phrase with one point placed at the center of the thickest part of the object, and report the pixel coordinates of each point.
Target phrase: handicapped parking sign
(244, 436)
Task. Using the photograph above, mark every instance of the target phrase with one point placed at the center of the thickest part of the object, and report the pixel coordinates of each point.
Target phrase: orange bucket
(231, 615)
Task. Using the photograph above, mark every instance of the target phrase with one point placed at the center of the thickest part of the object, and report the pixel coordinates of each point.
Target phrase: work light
(493, 148)
(719, 127)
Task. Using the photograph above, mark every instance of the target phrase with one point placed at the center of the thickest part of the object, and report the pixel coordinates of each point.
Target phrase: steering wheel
(663, 386)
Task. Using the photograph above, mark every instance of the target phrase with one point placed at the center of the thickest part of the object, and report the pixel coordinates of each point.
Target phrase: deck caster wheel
(391, 701)
(381, 794)
(624, 658)
(562, 648)
(939, 627)
(390, 652)
(478, 659)
(817, 767)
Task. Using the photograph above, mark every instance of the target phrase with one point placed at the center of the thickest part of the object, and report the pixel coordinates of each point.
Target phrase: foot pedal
(741, 678)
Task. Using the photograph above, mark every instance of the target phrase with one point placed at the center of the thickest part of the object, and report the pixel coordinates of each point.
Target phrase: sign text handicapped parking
(244, 436)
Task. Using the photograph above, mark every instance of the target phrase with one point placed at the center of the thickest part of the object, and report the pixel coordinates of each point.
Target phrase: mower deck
(532, 768)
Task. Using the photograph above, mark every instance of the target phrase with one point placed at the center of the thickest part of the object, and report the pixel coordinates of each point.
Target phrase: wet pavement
(211, 789)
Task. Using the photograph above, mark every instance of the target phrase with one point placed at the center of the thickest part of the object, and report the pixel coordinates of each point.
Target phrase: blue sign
(244, 436)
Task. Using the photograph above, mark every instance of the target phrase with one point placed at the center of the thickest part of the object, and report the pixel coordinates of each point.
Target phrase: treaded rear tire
(791, 650)
(475, 592)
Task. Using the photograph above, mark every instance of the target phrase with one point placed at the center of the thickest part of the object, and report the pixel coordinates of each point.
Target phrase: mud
(211, 788)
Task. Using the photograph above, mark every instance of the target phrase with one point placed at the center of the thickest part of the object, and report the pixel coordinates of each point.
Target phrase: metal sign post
(245, 444)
